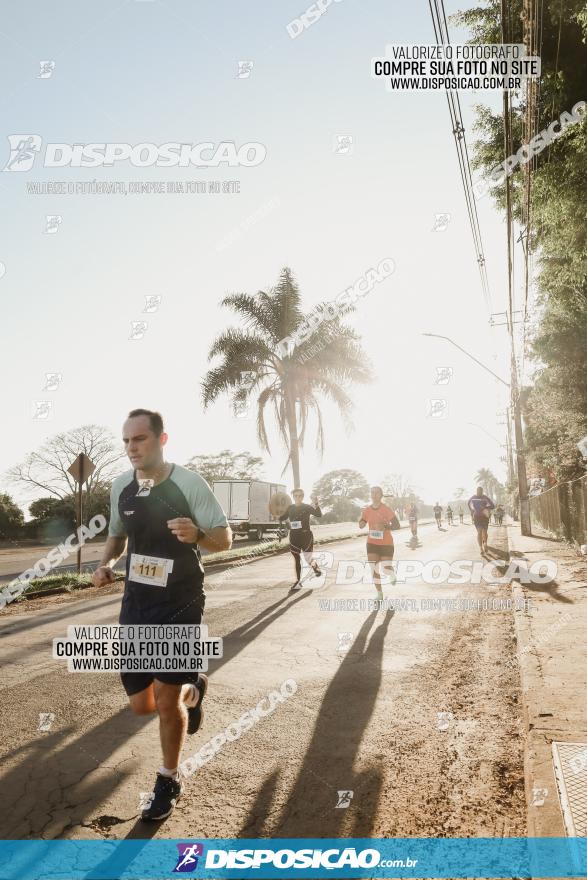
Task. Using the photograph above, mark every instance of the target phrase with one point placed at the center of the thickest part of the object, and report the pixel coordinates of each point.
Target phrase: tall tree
(254, 367)
(397, 485)
(227, 465)
(46, 469)
(11, 517)
(492, 486)
(556, 405)
(340, 493)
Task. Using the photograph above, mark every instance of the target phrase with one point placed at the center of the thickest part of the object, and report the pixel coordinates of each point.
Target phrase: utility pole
(518, 434)
(511, 471)
(525, 525)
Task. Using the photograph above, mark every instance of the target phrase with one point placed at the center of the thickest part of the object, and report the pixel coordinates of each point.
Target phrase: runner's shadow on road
(236, 641)
(524, 577)
(58, 774)
(311, 808)
(497, 553)
(550, 588)
(273, 611)
(114, 865)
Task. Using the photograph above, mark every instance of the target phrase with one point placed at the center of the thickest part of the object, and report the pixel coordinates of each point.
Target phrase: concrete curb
(543, 819)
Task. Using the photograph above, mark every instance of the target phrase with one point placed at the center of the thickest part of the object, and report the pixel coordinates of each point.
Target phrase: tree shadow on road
(328, 765)
(523, 576)
(497, 553)
(45, 617)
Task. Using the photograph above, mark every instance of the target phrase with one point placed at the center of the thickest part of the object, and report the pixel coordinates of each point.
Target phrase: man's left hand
(184, 529)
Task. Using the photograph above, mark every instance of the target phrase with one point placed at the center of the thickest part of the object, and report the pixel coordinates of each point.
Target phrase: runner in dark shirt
(301, 538)
(413, 519)
(438, 514)
(481, 506)
(166, 513)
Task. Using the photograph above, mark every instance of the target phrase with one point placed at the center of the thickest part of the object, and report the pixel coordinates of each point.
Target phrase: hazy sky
(158, 72)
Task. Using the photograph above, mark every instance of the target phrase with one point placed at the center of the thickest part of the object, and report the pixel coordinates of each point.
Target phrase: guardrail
(563, 510)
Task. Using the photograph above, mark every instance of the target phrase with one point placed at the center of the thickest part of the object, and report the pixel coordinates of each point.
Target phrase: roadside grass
(267, 547)
(63, 582)
(71, 582)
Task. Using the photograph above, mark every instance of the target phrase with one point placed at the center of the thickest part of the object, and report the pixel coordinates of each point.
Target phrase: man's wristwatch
(201, 534)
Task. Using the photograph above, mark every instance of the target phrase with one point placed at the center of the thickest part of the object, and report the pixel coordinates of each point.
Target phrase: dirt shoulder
(552, 658)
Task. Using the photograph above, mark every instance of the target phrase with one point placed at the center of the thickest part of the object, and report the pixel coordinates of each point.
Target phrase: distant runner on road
(449, 515)
(461, 513)
(499, 512)
(301, 537)
(381, 519)
(413, 519)
(166, 513)
(481, 506)
(437, 514)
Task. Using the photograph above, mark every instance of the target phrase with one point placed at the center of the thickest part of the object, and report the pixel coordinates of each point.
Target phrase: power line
(533, 25)
(440, 26)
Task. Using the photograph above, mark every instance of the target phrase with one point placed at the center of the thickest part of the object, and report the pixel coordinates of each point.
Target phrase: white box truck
(246, 504)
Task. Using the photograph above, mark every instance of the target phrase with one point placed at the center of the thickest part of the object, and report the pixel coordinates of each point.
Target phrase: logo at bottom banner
(187, 860)
(327, 859)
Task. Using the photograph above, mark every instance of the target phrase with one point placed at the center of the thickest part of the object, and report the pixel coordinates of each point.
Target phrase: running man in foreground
(167, 513)
(381, 519)
(301, 537)
(437, 514)
(481, 506)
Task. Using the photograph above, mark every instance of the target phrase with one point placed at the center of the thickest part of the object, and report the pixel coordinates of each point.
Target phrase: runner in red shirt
(381, 519)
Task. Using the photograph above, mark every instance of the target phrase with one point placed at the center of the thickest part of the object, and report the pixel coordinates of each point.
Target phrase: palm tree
(484, 477)
(325, 364)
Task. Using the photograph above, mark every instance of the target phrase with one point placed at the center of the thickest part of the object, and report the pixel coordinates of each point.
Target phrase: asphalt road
(13, 561)
(365, 716)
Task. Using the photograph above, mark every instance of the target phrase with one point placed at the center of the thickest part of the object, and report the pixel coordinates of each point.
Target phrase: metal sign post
(81, 470)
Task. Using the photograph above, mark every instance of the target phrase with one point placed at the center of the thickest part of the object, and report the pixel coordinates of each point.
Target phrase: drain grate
(570, 768)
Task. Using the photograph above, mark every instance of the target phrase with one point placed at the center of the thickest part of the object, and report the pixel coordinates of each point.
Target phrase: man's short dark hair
(155, 419)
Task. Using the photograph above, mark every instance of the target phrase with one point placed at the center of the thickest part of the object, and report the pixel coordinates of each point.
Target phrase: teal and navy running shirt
(164, 577)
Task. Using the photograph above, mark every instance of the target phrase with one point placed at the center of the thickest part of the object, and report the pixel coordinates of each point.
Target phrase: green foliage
(53, 508)
(254, 370)
(340, 492)
(55, 518)
(491, 485)
(227, 465)
(556, 405)
(11, 517)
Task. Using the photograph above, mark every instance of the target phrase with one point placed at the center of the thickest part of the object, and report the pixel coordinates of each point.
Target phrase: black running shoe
(165, 796)
(296, 586)
(196, 713)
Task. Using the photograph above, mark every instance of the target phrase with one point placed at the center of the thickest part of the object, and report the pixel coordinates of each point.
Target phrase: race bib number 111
(151, 570)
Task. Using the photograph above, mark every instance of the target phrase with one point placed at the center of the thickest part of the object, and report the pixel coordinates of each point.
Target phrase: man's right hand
(103, 575)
